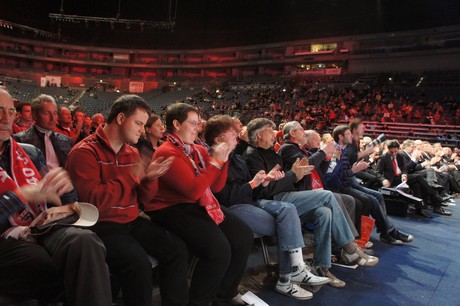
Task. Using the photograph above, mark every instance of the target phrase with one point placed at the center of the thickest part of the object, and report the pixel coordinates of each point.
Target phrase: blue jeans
(274, 218)
(321, 208)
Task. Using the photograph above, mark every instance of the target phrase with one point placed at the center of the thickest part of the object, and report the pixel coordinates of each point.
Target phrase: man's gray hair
(256, 126)
(288, 127)
(406, 143)
(38, 102)
(310, 133)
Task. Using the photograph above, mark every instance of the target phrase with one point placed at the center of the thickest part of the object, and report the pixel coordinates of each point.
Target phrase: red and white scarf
(207, 200)
(316, 183)
(23, 173)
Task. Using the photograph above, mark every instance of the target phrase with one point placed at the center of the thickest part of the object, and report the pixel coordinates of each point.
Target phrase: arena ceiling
(221, 23)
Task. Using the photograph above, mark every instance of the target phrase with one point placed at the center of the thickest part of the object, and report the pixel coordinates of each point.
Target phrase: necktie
(395, 166)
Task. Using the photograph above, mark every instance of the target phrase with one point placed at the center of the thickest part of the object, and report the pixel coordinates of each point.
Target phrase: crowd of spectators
(320, 106)
(224, 167)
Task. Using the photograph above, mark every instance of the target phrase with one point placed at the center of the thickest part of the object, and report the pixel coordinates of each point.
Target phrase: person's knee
(83, 239)
(218, 250)
(178, 251)
(323, 215)
(288, 212)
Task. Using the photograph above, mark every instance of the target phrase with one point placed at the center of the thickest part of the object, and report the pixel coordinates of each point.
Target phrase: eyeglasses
(193, 123)
(231, 131)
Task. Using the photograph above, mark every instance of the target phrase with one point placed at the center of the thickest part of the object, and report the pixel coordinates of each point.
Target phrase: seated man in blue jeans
(281, 219)
(315, 206)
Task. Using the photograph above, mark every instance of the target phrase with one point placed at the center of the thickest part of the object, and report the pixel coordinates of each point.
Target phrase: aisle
(424, 272)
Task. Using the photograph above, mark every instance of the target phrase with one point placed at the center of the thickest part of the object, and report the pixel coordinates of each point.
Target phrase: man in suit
(422, 154)
(393, 167)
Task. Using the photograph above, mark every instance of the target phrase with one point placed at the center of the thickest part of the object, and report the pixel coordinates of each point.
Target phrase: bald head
(7, 115)
(4, 92)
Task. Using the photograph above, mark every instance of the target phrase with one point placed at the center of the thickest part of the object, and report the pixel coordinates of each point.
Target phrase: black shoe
(398, 235)
(421, 213)
(436, 186)
(439, 210)
(436, 199)
(389, 239)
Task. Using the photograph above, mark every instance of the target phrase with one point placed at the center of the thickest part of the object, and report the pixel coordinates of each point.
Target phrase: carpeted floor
(424, 272)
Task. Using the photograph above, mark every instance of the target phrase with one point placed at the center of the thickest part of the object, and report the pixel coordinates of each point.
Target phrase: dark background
(219, 23)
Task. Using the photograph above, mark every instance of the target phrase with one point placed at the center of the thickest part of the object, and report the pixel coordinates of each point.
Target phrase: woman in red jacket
(185, 205)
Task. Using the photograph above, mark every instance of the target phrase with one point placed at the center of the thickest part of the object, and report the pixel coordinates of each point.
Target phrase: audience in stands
(67, 260)
(111, 177)
(340, 178)
(78, 118)
(86, 127)
(24, 117)
(264, 217)
(357, 152)
(97, 120)
(186, 206)
(242, 134)
(262, 192)
(151, 139)
(318, 207)
(306, 144)
(65, 124)
(393, 167)
(55, 146)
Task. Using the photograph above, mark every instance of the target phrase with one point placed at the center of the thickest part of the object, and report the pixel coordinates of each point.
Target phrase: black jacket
(290, 151)
(61, 143)
(237, 189)
(385, 167)
(266, 159)
(409, 164)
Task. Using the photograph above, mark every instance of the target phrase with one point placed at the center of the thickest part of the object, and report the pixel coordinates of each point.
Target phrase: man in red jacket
(108, 172)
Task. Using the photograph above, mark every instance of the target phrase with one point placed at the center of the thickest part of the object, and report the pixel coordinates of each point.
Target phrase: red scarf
(207, 200)
(23, 173)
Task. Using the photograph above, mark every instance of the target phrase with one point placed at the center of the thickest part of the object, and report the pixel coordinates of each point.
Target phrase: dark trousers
(128, 246)
(27, 272)
(69, 260)
(373, 204)
(369, 179)
(222, 249)
(352, 210)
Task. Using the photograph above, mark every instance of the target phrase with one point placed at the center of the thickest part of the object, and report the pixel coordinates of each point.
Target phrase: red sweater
(180, 184)
(106, 178)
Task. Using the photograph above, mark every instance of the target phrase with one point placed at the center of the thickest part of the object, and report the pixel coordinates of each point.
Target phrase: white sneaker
(294, 291)
(359, 258)
(306, 277)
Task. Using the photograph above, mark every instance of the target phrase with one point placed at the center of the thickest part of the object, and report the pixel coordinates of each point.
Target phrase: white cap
(88, 216)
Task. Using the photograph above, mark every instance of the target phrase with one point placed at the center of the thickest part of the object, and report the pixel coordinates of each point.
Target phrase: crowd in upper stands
(318, 105)
(205, 187)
